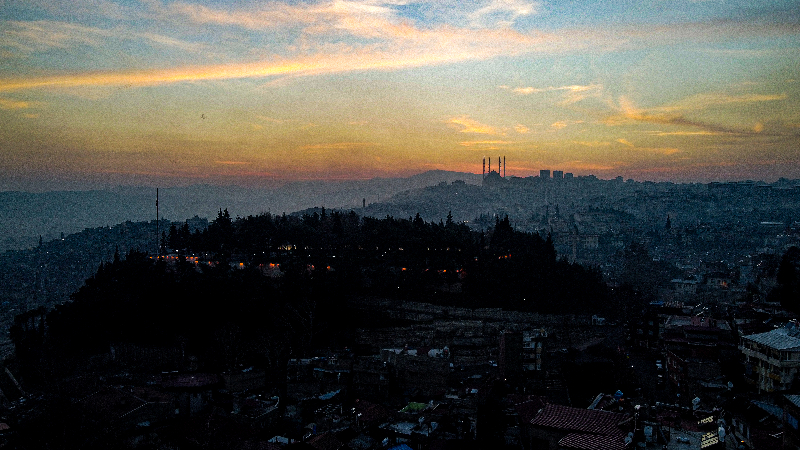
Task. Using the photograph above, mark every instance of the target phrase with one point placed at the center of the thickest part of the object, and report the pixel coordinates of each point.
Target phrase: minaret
(483, 173)
(504, 166)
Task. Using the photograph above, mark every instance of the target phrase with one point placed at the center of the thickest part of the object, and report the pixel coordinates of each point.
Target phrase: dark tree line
(228, 316)
(408, 257)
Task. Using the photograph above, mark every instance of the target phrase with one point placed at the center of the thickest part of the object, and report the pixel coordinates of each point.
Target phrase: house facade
(772, 359)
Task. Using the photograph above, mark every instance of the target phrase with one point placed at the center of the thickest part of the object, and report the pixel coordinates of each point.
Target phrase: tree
(220, 232)
(787, 292)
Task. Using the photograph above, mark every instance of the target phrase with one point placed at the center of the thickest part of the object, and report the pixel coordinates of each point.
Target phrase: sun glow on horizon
(198, 92)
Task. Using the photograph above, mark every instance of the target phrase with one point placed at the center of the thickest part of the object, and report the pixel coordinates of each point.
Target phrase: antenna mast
(158, 247)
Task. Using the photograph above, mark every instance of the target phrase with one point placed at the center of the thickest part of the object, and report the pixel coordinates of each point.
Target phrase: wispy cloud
(483, 143)
(670, 116)
(561, 124)
(593, 143)
(664, 151)
(271, 15)
(44, 34)
(587, 166)
(570, 93)
(6, 103)
(337, 146)
(673, 119)
(232, 163)
(683, 133)
(307, 39)
(270, 119)
(628, 144)
(571, 88)
(468, 125)
(709, 100)
(303, 66)
(167, 41)
(625, 142)
(521, 129)
(502, 13)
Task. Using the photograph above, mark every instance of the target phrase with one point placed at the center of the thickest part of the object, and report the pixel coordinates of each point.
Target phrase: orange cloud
(661, 150)
(469, 125)
(685, 133)
(593, 143)
(302, 66)
(13, 104)
(587, 166)
(479, 143)
(338, 146)
(625, 142)
(561, 124)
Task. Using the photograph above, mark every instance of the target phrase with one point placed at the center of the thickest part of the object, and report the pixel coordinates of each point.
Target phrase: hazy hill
(27, 216)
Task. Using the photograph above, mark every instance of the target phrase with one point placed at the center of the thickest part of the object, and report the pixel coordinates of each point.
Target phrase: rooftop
(585, 424)
(779, 339)
(795, 399)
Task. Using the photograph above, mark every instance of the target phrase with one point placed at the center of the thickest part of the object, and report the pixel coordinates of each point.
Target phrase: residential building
(532, 348)
(772, 359)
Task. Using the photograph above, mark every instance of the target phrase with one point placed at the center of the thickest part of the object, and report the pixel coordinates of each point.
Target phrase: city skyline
(97, 93)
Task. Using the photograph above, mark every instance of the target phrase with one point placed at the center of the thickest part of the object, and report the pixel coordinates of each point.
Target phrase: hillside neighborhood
(418, 336)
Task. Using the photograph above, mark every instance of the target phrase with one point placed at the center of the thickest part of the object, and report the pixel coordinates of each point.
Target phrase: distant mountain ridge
(27, 216)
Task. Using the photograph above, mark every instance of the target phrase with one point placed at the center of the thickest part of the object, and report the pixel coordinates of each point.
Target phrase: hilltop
(49, 215)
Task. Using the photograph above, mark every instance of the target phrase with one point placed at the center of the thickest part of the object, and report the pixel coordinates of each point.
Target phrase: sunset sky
(159, 92)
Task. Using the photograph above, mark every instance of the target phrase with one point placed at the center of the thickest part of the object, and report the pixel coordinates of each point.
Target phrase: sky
(256, 93)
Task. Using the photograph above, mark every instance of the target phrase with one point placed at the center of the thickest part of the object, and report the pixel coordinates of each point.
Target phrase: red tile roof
(529, 407)
(587, 429)
(582, 420)
(325, 441)
(592, 442)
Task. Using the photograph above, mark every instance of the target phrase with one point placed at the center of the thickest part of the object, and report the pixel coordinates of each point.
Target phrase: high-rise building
(558, 174)
(544, 173)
